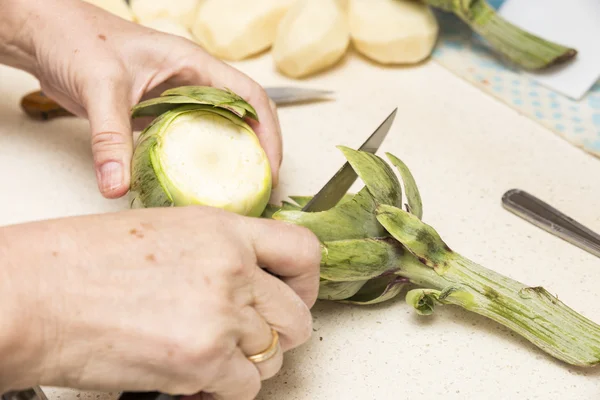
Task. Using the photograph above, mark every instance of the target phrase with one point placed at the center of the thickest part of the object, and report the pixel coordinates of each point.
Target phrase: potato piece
(181, 11)
(116, 7)
(237, 29)
(313, 36)
(392, 31)
(169, 26)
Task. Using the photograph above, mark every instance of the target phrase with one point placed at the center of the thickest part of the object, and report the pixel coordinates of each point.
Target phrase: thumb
(112, 142)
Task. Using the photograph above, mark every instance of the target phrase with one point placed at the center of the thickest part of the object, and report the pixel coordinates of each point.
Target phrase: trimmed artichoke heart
(197, 154)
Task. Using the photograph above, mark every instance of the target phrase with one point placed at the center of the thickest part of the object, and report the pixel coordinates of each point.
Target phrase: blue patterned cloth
(465, 54)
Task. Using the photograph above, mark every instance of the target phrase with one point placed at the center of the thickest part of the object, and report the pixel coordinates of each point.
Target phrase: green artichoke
(373, 244)
(199, 150)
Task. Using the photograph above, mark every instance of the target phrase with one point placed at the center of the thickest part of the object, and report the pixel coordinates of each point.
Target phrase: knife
(544, 216)
(333, 191)
(40, 107)
(338, 185)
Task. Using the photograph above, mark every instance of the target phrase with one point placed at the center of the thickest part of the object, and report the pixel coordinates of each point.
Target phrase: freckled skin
(141, 313)
(136, 233)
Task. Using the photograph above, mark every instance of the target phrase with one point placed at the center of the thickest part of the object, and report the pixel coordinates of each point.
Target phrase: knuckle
(259, 93)
(234, 267)
(106, 145)
(237, 267)
(113, 72)
(108, 139)
(209, 348)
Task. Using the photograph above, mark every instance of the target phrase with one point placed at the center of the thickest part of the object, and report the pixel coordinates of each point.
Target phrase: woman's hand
(169, 299)
(98, 66)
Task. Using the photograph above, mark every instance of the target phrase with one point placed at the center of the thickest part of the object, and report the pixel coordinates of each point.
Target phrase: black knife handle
(146, 396)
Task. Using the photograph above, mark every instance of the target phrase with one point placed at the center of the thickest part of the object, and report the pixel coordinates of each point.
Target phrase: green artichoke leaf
(269, 210)
(419, 238)
(411, 190)
(298, 203)
(423, 300)
(194, 95)
(303, 200)
(223, 98)
(378, 290)
(354, 219)
(377, 176)
(147, 184)
(360, 259)
(335, 291)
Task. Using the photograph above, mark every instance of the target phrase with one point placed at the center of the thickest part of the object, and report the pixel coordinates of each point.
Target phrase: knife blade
(40, 107)
(344, 178)
(286, 95)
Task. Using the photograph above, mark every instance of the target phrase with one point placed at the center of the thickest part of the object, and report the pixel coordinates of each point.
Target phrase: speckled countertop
(465, 150)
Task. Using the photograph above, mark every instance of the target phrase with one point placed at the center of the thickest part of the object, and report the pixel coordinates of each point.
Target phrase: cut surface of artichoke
(209, 159)
(200, 151)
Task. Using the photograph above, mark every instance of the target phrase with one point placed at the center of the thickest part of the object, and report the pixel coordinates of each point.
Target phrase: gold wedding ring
(269, 352)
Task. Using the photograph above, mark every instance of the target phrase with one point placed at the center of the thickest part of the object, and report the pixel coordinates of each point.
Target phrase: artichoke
(199, 150)
(375, 242)
(516, 45)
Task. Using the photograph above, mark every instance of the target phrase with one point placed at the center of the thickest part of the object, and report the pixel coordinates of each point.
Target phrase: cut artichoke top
(200, 151)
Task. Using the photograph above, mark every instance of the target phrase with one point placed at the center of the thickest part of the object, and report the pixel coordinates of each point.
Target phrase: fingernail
(111, 176)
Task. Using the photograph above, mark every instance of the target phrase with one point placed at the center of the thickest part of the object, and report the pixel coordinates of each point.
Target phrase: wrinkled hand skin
(167, 299)
(98, 66)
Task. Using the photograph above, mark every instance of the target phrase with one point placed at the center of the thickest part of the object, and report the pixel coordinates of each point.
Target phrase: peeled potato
(181, 11)
(116, 7)
(237, 29)
(392, 31)
(169, 26)
(313, 36)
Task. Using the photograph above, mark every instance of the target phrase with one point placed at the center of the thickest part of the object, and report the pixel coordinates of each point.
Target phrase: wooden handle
(40, 107)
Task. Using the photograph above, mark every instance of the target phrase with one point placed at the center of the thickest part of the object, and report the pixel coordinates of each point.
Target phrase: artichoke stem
(529, 311)
(522, 48)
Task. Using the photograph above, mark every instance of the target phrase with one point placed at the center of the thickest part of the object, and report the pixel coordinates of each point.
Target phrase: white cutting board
(574, 23)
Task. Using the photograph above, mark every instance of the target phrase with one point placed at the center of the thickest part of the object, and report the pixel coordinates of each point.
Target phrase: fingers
(240, 380)
(282, 309)
(289, 251)
(256, 338)
(271, 141)
(108, 113)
